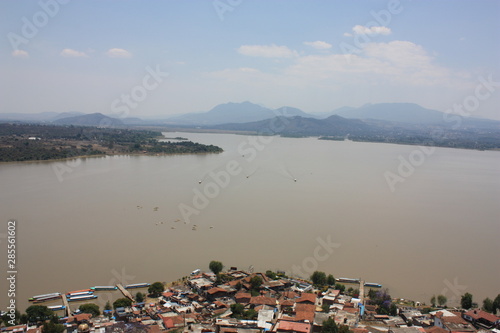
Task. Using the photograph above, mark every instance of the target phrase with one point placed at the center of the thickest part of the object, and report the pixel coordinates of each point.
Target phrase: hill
(234, 113)
(301, 126)
(93, 119)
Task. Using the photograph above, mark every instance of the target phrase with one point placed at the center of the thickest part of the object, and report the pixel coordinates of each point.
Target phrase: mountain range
(247, 115)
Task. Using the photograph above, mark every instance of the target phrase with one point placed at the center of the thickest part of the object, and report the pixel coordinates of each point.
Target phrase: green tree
(8, 320)
(344, 329)
(372, 293)
(255, 282)
(329, 326)
(325, 307)
(442, 300)
(156, 289)
(139, 297)
(251, 314)
(355, 292)
(433, 300)
(466, 301)
(340, 287)
(50, 327)
(91, 308)
(237, 309)
(122, 303)
(271, 275)
(488, 305)
(496, 304)
(107, 306)
(350, 290)
(37, 313)
(318, 278)
(216, 267)
(330, 280)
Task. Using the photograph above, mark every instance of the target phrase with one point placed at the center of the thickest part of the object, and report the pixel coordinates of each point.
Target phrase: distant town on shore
(238, 301)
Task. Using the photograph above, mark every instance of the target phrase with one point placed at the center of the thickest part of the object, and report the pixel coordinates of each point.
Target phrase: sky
(159, 58)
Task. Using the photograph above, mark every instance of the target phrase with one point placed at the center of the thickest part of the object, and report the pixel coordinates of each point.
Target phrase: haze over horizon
(179, 57)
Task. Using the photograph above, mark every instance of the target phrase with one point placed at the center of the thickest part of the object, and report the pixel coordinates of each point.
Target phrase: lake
(418, 221)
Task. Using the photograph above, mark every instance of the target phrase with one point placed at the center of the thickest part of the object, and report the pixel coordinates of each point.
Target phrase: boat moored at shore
(137, 285)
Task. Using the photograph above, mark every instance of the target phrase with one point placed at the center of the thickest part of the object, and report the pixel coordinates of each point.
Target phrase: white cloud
(320, 45)
(347, 34)
(69, 53)
(379, 30)
(267, 51)
(20, 54)
(118, 53)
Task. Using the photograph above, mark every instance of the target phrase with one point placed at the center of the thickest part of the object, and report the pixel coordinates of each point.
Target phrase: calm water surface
(101, 221)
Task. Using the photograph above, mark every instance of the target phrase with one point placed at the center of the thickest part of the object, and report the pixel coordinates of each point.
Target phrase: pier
(66, 305)
(362, 291)
(125, 292)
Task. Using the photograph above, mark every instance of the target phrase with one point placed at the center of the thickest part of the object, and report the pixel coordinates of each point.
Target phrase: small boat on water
(82, 293)
(81, 298)
(100, 288)
(44, 296)
(56, 307)
(347, 280)
(78, 291)
(44, 299)
(373, 285)
(137, 285)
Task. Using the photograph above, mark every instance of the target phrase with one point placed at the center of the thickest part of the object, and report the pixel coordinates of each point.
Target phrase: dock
(67, 310)
(125, 292)
(362, 291)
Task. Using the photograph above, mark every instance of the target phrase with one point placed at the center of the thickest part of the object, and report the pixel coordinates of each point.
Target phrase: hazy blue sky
(89, 55)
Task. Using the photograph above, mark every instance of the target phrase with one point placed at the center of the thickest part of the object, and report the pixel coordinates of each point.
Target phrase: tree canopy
(329, 326)
(156, 289)
(91, 308)
(466, 301)
(38, 313)
(318, 278)
(122, 303)
(442, 300)
(216, 266)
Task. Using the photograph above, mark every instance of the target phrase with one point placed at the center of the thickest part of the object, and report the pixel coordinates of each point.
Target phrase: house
(243, 298)
(453, 324)
(216, 292)
(16, 329)
(319, 318)
(406, 330)
(263, 300)
(307, 298)
(481, 319)
(293, 327)
(435, 329)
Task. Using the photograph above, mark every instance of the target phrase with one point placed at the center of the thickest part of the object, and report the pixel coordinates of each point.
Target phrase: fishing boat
(373, 285)
(56, 307)
(78, 291)
(81, 298)
(137, 285)
(82, 293)
(44, 299)
(100, 288)
(44, 296)
(347, 280)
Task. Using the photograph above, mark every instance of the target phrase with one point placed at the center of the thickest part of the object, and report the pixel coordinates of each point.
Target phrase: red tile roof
(478, 314)
(436, 329)
(305, 307)
(215, 290)
(307, 297)
(287, 302)
(284, 325)
(263, 300)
